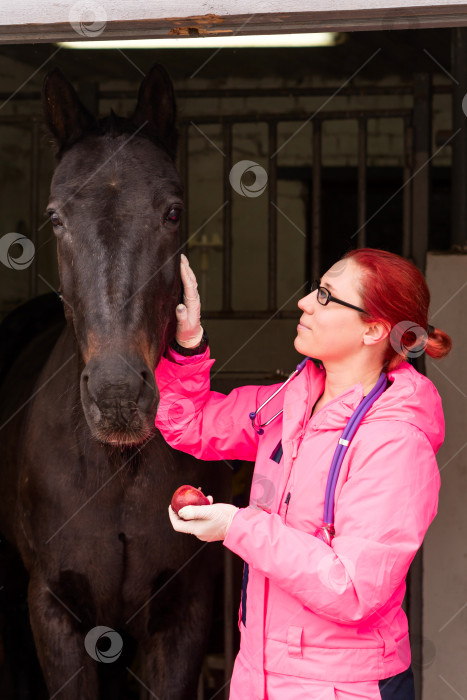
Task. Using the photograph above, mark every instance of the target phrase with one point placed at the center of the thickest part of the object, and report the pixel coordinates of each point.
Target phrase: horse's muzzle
(119, 398)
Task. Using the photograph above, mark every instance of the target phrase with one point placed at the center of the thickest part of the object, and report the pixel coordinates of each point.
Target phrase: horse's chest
(102, 538)
(111, 526)
(109, 569)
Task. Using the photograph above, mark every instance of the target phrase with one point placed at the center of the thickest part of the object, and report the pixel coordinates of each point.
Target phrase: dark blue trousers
(400, 687)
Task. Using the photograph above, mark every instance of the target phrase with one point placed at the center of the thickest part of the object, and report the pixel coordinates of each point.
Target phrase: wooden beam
(35, 21)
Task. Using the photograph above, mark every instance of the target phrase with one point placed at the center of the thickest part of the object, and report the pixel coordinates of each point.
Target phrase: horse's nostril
(144, 376)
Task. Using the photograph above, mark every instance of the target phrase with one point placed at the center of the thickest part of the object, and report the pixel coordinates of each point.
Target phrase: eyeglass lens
(323, 294)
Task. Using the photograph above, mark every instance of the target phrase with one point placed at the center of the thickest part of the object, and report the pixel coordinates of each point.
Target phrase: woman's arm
(383, 511)
(205, 423)
(191, 417)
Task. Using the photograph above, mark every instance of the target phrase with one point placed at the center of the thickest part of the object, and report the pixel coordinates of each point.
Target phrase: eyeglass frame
(316, 287)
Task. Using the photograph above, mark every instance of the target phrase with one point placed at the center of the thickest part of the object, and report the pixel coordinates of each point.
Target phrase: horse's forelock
(115, 126)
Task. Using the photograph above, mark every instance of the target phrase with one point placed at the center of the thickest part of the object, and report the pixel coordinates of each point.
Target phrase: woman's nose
(306, 303)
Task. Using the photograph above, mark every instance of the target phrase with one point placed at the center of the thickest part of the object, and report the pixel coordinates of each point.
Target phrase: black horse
(85, 478)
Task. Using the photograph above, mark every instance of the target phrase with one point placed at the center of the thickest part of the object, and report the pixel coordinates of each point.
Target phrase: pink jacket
(309, 609)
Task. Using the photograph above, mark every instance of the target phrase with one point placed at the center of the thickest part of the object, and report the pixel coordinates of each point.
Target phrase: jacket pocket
(244, 587)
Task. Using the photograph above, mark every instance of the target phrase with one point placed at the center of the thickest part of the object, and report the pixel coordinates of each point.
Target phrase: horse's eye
(173, 215)
(55, 219)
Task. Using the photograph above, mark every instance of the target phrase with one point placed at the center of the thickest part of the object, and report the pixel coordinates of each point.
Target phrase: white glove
(208, 523)
(189, 330)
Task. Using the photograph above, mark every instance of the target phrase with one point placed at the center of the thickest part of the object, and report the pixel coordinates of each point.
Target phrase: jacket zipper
(299, 442)
(287, 499)
(246, 569)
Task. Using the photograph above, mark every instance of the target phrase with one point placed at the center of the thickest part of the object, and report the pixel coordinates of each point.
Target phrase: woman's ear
(375, 332)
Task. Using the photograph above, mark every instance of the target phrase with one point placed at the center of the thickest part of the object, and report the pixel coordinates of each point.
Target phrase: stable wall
(445, 552)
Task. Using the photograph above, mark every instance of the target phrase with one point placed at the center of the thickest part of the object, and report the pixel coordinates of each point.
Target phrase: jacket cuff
(238, 535)
(189, 352)
(174, 356)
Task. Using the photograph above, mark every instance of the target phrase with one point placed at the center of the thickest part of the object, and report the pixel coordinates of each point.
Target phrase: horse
(85, 477)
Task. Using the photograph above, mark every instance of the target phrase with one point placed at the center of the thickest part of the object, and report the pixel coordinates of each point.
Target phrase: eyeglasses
(324, 296)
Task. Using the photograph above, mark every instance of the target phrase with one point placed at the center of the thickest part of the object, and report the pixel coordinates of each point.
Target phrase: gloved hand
(189, 330)
(208, 523)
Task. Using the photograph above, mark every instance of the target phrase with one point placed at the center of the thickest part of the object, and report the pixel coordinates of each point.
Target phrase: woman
(321, 615)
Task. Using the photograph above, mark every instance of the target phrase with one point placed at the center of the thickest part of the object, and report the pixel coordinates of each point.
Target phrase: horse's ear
(65, 117)
(156, 106)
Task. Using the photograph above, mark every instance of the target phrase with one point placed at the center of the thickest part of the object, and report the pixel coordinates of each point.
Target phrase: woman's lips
(301, 327)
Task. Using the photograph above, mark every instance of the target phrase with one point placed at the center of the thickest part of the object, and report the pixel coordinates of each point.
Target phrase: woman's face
(332, 332)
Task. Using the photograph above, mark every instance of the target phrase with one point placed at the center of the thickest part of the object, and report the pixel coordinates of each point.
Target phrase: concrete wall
(445, 552)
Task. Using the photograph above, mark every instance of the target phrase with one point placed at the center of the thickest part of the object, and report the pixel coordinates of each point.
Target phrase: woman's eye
(322, 294)
(55, 219)
(173, 215)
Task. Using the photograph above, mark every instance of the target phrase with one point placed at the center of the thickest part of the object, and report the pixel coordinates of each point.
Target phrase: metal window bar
(272, 121)
(227, 215)
(316, 201)
(33, 125)
(363, 91)
(313, 255)
(272, 217)
(407, 191)
(361, 193)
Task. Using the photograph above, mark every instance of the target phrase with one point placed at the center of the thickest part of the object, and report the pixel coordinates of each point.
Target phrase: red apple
(187, 495)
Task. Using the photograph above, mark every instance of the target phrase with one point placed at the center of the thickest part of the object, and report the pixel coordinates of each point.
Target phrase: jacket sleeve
(383, 511)
(207, 424)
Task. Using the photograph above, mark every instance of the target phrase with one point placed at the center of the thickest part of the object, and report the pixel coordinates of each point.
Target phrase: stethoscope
(327, 532)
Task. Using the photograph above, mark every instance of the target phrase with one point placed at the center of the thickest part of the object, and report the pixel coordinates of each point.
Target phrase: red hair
(394, 292)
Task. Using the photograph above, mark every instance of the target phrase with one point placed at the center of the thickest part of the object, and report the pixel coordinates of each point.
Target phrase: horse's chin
(122, 439)
(124, 443)
(108, 431)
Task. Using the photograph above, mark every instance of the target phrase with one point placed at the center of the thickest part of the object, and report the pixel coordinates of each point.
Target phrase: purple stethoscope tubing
(327, 531)
(344, 442)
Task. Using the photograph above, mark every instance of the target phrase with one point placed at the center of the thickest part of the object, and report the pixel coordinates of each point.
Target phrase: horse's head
(115, 205)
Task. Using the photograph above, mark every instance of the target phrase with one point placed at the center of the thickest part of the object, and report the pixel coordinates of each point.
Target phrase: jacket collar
(411, 398)
(301, 395)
